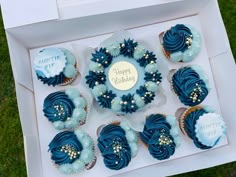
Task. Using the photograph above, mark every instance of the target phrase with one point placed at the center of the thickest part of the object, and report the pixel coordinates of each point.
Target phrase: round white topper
(209, 129)
(49, 62)
(123, 75)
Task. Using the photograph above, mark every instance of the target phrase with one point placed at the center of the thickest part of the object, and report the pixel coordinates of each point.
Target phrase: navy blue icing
(102, 56)
(129, 107)
(147, 95)
(94, 77)
(105, 99)
(111, 137)
(154, 123)
(154, 77)
(56, 80)
(184, 82)
(161, 151)
(58, 106)
(144, 61)
(61, 144)
(189, 126)
(128, 48)
(156, 128)
(175, 38)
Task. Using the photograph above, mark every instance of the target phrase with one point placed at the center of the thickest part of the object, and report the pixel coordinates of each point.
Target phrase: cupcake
(72, 152)
(203, 126)
(55, 66)
(160, 135)
(117, 143)
(190, 84)
(65, 109)
(181, 43)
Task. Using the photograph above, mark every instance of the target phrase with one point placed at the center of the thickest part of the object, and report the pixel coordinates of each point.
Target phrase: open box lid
(25, 12)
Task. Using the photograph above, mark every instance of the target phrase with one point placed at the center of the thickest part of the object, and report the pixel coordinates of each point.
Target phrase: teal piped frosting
(71, 152)
(115, 104)
(139, 101)
(183, 43)
(190, 122)
(114, 49)
(69, 57)
(114, 147)
(151, 68)
(69, 71)
(151, 86)
(189, 86)
(65, 109)
(99, 90)
(96, 67)
(157, 136)
(139, 52)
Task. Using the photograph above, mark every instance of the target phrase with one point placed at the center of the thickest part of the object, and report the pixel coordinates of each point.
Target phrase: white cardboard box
(31, 24)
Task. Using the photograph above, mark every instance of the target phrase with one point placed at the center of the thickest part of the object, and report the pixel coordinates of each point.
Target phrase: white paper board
(146, 34)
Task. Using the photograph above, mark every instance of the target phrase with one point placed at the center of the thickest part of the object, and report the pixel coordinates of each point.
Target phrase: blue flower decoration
(102, 56)
(149, 57)
(65, 148)
(114, 147)
(146, 95)
(128, 104)
(94, 79)
(105, 99)
(128, 47)
(154, 77)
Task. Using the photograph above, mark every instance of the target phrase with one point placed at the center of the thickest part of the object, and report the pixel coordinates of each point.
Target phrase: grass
(12, 163)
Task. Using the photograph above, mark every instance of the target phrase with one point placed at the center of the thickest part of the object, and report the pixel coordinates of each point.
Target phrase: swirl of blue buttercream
(65, 148)
(189, 87)
(161, 146)
(154, 123)
(58, 107)
(175, 39)
(114, 147)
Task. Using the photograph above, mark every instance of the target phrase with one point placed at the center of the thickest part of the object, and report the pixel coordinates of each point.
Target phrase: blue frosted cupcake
(55, 66)
(117, 143)
(181, 43)
(160, 135)
(190, 84)
(66, 110)
(72, 152)
(203, 126)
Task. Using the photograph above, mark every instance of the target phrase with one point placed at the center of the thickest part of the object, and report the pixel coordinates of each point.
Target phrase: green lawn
(12, 163)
